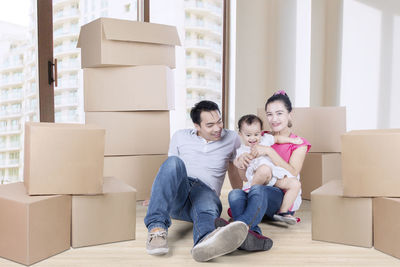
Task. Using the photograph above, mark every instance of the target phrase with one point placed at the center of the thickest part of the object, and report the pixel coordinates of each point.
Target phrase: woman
(264, 200)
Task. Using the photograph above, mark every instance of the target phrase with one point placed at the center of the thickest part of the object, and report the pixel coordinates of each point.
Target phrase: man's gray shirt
(207, 161)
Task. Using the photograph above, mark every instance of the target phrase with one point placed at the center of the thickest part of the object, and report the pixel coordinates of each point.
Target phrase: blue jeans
(251, 207)
(176, 195)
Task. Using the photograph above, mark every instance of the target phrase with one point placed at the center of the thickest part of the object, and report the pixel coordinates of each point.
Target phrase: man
(188, 185)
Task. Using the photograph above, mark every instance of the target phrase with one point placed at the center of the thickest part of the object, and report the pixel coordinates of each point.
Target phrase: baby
(250, 128)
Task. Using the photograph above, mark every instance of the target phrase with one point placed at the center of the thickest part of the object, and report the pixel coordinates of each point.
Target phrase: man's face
(211, 125)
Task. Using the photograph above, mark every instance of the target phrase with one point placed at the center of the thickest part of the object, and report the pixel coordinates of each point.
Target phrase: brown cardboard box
(106, 218)
(321, 126)
(63, 158)
(318, 169)
(133, 133)
(386, 225)
(137, 171)
(114, 42)
(370, 164)
(128, 88)
(33, 228)
(339, 219)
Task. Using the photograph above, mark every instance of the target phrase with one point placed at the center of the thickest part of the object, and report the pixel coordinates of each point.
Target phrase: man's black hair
(204, 105)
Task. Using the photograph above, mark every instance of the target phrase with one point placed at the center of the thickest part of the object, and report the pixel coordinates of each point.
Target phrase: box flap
(16, 192)
(333, 188)
(144, 32)
(88, 31)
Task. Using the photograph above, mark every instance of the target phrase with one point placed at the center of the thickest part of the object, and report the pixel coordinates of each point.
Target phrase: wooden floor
(292, 247)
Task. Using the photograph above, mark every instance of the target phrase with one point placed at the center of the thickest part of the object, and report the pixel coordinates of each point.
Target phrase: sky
(15, 11)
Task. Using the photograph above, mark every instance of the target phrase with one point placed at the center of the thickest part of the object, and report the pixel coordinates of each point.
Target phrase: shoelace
(161, 234)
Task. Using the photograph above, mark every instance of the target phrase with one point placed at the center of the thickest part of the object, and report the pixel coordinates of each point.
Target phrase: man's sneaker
(157, 243)
(221, 241)
(253, 241)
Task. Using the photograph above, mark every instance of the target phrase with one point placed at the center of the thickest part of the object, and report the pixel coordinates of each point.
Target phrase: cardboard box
(318, 169)
(129, 88)
(137, 171)
(133, 133)
(370, 163)
(63, 158)
(114, 42)
(386, 226)
(106, 218)
(33, 228)
(321, 126)
(340, 219)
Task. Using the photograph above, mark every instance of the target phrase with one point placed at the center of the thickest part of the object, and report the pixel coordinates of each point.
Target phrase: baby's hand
(297, 141)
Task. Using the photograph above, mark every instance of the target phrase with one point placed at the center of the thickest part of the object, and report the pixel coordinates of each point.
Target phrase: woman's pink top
(285, 150)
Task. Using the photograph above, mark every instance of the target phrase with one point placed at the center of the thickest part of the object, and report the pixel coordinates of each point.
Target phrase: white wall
(371, 63)
(352, 52)
(253, 57)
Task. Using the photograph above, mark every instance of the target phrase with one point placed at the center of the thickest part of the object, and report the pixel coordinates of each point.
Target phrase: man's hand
(258, 150)
(243, 161)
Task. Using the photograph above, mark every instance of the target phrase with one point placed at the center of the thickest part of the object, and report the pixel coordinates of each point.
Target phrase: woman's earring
(289, 124)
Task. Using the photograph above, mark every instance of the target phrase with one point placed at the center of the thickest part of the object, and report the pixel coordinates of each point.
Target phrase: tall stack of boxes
(322, 127)
(129, 90)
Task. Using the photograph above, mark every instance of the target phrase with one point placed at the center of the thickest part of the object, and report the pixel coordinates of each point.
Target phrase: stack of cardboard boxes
(371, 170)
(322, 128)
(63, 191)
(358, 209)
(129, 90)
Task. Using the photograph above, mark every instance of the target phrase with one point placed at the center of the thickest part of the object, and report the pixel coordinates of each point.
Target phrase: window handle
(52, 78)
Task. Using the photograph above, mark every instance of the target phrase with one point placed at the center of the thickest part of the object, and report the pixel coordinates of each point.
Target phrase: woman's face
(278, 116)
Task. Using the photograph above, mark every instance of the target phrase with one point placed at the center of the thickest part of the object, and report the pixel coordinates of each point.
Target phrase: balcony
(11, 97)
(65, 84)
(204, 8)
(70, 65)
(204, 27)
(61, 49)
(216, 48)
(204, 65)
(61, 32)
(10, 113)
(203, 84)
(19, 64)
(11, 81)
(66, 14)
(65, 101)
(56, 2)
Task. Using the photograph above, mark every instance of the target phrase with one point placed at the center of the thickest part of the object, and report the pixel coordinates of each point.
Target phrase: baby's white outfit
(277, 172)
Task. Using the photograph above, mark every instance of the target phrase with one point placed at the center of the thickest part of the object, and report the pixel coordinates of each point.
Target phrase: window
(3, 141)
(14, 173)
(14, 141)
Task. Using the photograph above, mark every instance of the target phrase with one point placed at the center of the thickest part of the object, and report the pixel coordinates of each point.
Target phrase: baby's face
(250, 134)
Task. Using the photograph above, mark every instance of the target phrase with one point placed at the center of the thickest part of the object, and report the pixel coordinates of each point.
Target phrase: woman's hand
(243, 161)
(259, 150)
